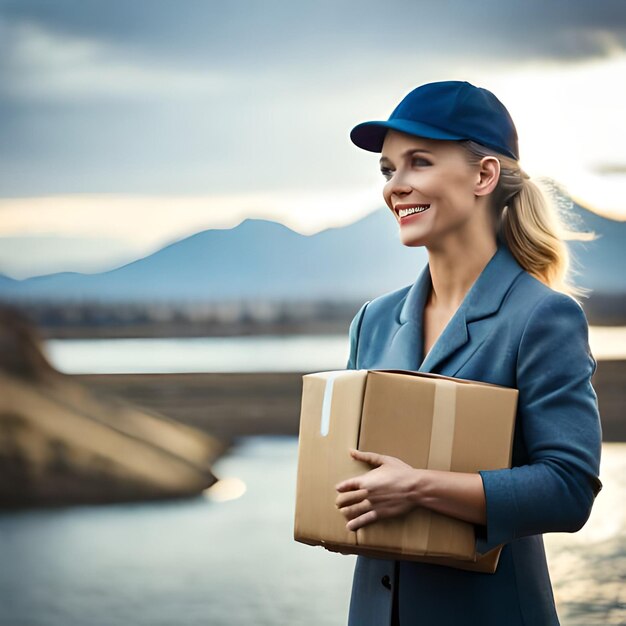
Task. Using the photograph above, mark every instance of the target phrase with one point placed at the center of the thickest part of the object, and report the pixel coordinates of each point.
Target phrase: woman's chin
(412, 240)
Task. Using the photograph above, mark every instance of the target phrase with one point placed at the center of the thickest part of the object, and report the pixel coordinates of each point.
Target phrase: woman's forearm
(451, 493)
(394, 488)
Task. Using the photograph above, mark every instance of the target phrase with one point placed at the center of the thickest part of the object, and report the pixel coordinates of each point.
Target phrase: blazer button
(386, 581)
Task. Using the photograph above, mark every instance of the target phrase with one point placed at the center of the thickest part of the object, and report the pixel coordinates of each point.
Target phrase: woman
(493, 304)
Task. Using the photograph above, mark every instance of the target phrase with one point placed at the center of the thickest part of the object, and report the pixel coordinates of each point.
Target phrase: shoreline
(230, 405)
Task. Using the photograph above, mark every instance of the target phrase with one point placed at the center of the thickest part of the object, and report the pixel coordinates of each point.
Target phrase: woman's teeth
(415, 209)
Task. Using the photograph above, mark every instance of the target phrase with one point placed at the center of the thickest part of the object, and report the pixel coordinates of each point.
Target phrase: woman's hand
(386, 491)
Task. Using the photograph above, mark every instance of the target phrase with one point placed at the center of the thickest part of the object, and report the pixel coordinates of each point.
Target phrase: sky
(126, 125)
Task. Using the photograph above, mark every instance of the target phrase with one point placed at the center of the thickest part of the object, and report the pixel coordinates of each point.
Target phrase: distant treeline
(605, 309)
(193, 319)
(181, 319)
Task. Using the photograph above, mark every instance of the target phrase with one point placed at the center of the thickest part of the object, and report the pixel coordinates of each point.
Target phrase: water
(297, 353)
(293, 353)
(228, 557)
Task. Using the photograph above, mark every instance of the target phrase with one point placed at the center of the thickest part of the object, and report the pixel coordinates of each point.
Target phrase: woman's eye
(386, 172)
(420, 161)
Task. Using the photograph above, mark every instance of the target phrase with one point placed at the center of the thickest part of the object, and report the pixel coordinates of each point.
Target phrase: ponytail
(530, 223)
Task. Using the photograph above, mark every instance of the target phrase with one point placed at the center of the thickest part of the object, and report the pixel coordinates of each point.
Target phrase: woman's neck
(453, 271)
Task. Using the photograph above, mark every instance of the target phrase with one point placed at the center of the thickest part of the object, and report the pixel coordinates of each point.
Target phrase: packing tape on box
(440, 455)
(327, 401)
(442, 433)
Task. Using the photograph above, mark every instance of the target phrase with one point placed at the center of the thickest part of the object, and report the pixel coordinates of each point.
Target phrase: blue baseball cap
(449, 110)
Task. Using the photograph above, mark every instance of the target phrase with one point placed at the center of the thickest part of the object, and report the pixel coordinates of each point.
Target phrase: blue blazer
(510, 330)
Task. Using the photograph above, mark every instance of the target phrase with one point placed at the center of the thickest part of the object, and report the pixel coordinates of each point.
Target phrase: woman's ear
(487, 176)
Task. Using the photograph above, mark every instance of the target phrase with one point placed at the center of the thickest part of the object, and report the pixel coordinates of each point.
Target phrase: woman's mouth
(407, 211)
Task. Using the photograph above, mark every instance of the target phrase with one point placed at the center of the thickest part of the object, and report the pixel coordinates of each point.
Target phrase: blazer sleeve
(560, 425)
(354, 332)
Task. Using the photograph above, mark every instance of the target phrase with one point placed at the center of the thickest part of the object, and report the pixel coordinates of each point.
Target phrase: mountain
(32, 254)
(256, 259)
(597, 261)
(266, 260)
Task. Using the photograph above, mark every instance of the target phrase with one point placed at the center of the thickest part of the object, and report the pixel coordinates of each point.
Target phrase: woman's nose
(399, 188)
(398, 185)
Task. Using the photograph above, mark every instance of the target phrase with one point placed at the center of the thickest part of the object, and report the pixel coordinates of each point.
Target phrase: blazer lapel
(483, 299)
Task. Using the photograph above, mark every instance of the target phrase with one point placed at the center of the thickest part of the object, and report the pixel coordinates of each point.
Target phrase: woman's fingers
(356, 482)
(362, 520)
(350, 512)
(372, 458)
(351, 497)
(352, 484)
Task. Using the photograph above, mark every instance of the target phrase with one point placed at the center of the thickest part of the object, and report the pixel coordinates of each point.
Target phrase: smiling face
(433, 192)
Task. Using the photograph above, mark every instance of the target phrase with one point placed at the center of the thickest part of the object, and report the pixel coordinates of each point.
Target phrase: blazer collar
(483, 299)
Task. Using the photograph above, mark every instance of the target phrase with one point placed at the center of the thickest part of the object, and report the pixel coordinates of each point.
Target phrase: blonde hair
(530, 223)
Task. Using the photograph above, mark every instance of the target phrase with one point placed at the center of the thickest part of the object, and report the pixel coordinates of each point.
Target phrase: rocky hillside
(61, 443)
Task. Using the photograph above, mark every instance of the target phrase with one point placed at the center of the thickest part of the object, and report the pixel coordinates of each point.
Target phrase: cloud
(45, 66)
(258, 32)
(196, 98)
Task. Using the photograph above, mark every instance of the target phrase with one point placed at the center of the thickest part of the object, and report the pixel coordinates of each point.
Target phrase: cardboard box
(426, 420)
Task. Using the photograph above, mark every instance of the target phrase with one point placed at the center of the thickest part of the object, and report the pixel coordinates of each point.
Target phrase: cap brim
(371, 135)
